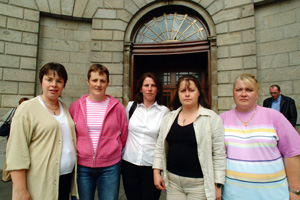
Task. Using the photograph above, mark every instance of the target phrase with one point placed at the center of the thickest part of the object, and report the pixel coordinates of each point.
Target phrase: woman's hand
(218, 193)
(158, 180)
(19, 183)
(292, 169)
(21, 195)
(293, 196)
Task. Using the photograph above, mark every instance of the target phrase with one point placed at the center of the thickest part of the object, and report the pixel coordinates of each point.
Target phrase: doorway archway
(173, 55)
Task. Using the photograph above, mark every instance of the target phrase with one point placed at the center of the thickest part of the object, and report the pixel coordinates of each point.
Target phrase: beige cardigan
(35, 144)
(209, 132)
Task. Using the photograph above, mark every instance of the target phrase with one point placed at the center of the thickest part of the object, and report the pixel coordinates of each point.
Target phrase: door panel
(168, 95)
(170, 67)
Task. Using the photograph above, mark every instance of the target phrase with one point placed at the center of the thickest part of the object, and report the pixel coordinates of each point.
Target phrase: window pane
(171, 27)
(165, 78)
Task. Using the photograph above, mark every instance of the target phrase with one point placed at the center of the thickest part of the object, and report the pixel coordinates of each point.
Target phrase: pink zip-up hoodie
(112, 139)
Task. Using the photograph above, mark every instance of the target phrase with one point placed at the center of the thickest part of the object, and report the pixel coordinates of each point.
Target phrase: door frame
(167, 49)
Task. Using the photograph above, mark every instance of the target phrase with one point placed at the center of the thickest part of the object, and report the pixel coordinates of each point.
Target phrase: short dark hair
(275, 86)
(57, 67)
(139, 95)
(98, 68)
(23, 99)
(202, 98)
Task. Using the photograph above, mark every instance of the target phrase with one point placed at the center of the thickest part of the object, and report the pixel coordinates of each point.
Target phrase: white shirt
(67, 161)
(143, 131)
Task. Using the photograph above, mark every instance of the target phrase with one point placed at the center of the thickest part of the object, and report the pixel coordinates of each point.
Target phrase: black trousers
(138, 182)
(64, 186)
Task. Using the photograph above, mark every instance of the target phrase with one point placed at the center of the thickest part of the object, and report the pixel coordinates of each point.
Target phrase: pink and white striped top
(95, 111)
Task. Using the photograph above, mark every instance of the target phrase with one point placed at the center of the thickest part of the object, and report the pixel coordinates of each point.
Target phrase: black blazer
(287, 108)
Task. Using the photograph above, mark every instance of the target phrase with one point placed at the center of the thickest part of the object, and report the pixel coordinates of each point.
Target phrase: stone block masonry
(278, 47)
(18, 52)
(69, 43)
(21, 49)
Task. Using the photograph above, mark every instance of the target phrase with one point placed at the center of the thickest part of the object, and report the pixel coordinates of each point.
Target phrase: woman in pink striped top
(262, 148)
(101, 129)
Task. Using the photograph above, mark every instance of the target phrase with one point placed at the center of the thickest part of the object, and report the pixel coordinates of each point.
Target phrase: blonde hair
(248, 78)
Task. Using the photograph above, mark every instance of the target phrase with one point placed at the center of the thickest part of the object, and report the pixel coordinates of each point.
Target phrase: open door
(169, 68)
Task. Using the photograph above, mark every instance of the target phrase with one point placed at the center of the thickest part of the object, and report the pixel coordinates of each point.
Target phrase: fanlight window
(171, 28)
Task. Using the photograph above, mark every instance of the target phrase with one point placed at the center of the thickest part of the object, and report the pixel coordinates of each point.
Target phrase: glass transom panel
(172, 27)
(179, 74)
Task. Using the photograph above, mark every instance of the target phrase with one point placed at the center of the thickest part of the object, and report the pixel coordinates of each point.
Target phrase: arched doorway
(171, 56)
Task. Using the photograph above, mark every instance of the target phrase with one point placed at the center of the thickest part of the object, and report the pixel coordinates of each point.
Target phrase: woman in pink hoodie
(101, 129)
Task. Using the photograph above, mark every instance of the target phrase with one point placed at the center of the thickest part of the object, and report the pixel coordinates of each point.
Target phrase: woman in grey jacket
(190, 150)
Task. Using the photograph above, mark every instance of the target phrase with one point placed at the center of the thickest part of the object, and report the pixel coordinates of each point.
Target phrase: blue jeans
(106, 179)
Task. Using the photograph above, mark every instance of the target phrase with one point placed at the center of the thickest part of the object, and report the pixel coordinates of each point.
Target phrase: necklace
(184, 119)
(247, 122)
(53, 110)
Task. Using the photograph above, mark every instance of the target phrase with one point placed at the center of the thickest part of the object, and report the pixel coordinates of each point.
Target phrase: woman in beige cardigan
(41, 150)
(190, 149)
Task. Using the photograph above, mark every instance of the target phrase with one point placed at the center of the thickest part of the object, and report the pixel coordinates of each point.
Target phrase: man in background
(281, 103)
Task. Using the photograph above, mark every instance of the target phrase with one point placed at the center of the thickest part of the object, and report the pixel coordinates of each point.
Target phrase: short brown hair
(98, 68)
(277, 86)
(57, 67)
(23, 99)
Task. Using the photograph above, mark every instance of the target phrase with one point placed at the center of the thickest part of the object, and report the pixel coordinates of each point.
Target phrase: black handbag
(5, 128)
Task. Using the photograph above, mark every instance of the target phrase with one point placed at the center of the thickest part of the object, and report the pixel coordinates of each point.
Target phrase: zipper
(109, 109)
(83, 110)
(94, 156)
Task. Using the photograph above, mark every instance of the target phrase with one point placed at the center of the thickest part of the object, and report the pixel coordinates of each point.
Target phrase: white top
(67, 161)
(143, 131)
(95, 113)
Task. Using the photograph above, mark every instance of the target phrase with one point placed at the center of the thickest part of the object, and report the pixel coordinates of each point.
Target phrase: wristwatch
(219, 185)
(295, 192)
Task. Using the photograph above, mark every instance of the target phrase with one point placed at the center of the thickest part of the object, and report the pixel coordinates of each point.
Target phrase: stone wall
(278, 48)
(76, 45)
(67, 42)
(236, 43)
(19, 28)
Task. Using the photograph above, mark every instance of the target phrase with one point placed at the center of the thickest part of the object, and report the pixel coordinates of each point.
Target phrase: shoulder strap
(11, 114)
(132, 109)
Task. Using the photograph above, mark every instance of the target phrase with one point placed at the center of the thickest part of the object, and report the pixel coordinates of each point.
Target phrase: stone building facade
(257, 36)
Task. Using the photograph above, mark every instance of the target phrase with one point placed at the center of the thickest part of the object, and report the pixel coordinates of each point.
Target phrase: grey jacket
(209, 132)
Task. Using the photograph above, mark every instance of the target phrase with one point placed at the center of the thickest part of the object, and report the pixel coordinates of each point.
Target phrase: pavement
(6, 190)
